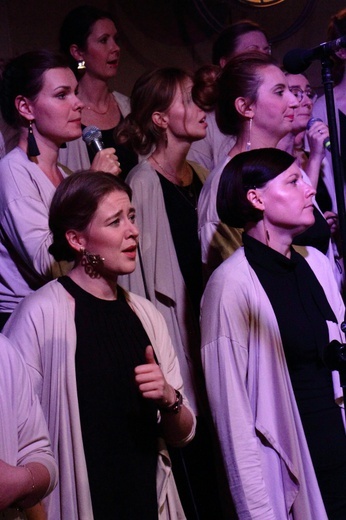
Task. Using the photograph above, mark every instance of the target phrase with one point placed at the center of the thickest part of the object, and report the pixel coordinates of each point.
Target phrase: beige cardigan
(42, 328)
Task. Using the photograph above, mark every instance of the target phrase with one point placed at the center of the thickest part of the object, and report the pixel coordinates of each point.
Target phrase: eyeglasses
(299, 93)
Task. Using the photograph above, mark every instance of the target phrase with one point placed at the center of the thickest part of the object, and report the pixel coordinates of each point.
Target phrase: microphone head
(313, 120)
(297, 60)
(90, 134)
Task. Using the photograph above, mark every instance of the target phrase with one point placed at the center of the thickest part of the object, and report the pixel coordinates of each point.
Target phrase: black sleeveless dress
(119, 427)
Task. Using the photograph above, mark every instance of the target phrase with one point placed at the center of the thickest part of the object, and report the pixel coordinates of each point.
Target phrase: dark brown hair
(74, 204)
(153, 92)
(252, 169)
(23, 75)
(227, 41)
(77, 27)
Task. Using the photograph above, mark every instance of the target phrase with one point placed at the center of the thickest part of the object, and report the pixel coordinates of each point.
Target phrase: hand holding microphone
(318, 134)
(105, 159)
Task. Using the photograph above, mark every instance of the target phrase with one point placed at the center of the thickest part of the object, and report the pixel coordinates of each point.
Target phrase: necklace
(110, 97)
(170, 175)
(188, 193)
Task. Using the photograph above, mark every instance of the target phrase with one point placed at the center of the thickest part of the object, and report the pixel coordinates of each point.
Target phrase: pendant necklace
(188, 193)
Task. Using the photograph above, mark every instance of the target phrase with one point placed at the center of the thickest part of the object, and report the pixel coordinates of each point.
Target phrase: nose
(133, 230)
(115, 44)
(306, 101)
(292, 100)
(79, 105)
(309, 190)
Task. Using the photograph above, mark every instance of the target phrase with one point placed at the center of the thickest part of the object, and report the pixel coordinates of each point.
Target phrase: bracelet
(31, 475)
(175, 407)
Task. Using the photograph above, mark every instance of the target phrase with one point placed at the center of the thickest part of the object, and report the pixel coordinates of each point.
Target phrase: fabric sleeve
(31, 428)
(225, 326)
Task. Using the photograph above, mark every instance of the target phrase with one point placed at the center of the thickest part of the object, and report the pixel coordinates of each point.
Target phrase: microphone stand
(334, 143)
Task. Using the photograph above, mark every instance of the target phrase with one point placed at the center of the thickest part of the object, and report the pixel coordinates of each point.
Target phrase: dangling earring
(90, 262)
(248, 144)
(81, 65)
(33, 150)
(266, 232)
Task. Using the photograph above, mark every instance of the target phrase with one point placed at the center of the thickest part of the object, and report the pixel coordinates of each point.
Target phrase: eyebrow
(118, 213)
(66, 87)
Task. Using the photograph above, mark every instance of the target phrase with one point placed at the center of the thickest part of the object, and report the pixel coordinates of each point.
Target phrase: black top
(317, 235)
(127, 157)
(181, 208)
(119, 427)
(301, 309)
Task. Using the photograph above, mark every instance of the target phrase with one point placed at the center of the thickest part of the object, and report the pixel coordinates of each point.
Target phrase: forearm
(23, 486)
(178, 428)
(313, 168)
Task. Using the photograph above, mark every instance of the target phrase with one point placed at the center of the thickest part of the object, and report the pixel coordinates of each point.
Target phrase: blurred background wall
(169, 32)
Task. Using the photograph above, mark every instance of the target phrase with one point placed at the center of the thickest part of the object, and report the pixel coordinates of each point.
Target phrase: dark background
(169, 32)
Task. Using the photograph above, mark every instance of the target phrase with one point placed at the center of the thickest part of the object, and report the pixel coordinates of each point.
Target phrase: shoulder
(45, 300)
(14, 157)
(143, 171)
(123, 103)
(200, 170)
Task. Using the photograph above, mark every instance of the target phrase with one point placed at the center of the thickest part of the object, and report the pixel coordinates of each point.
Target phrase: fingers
(106, 161)
(149, 355)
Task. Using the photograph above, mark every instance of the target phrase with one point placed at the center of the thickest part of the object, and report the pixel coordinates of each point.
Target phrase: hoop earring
(33, 150)
(248, 143)
(91, 262)
(81, 65)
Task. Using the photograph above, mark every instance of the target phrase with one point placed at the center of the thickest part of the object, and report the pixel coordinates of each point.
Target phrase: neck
(287, 143)
(171, 162)
(102, 288)
(93, 90)
(257, 139)
(274, 238)
(47, 161)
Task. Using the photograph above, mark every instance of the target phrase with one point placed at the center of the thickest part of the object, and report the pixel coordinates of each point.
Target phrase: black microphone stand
(334, 357)
(334, 143)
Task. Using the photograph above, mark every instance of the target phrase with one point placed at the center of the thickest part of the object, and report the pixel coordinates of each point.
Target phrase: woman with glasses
(254, 104)
(311, 159)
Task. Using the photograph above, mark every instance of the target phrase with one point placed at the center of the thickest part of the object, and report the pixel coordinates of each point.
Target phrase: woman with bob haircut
(267, 314)
(255, 105)
(102, 363)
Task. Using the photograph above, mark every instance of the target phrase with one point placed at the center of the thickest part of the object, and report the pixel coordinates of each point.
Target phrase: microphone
(298, 60)
(326, 142)
(92, 136)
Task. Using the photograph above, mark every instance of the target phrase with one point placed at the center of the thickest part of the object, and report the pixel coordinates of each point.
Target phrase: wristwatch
(175, 407)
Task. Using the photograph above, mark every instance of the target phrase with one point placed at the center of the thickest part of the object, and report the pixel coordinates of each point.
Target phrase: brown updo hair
(218, 89)
(74, 204)
(247, 170)
(154, 91)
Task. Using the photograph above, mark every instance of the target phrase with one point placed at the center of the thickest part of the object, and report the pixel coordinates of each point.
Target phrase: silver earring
(248, 144)
(81, 65)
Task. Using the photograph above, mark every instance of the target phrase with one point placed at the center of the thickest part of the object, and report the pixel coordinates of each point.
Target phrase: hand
(106, 161)
(151, 382)
(316, 136)
(333, 221)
